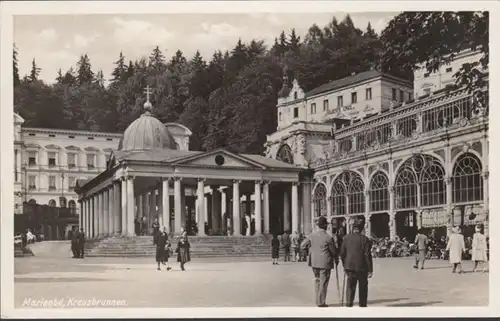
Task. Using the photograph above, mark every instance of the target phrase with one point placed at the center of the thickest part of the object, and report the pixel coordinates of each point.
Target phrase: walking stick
(338, 284)
(343, 290)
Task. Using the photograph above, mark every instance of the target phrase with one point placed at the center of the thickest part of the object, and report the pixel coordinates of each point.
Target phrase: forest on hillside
(230, 101)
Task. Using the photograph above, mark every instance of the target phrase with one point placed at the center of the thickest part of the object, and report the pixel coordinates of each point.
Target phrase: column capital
(176, 178)
(295, 183)
(391, 189)
(259, 181)
(266, 182)
(201, 180)
(236, 181)
(447, 180)
(166, 179)
(485, 174)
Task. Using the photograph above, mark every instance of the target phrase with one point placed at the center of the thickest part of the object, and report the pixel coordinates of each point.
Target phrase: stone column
(95, 227)
(419, 218)
(111, 211)
(295, 207)
(80, 216)
(183, 208)
(141, 205)
(286, 211)
(201, 206)
(486, 197)
(177, 205)
(266, 207)
(130, 206)
(224, 210)
(392, 214)
(88, 226)
(105, 211)
(236, 208)
(124, 207)
(258, 208)
(152, 208)
(449, 205)
(368, 231)
(100, 215)
(216, 206)
(118, 209)
(166, 204)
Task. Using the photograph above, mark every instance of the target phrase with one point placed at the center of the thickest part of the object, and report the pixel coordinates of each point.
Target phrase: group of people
(78, 243)
(164, 249)
(456, 248)
(290, 243)
(325, 252)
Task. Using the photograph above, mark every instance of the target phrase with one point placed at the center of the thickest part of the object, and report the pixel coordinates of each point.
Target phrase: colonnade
(111, 210)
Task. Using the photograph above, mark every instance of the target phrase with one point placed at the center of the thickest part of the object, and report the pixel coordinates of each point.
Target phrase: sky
(57, 41)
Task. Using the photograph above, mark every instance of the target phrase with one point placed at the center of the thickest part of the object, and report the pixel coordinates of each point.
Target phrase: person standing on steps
(356, 256)
(421, 242)
(74, 243)
(275, 249)
(183, 249)
(323, 258)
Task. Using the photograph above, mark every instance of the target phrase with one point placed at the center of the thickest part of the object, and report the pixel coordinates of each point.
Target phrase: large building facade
(401, 163)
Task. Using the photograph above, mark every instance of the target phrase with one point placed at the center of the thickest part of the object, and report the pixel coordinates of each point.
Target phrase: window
(325, 105)
(52, 135)
(71, 160)
(354, 98)
(427, 91)
(71, 182)
(31, 182)
(313, 108)
(394, 94)
(91, 161)
(52, 183)
(52, 159)
(467, 182)
(71, 136)
(426, 75)
(449, 69)
(340, 101)
(319, 201)
(368, 94)
(410, 96)
(279, 116)
(32, 158)
(296, 112)
(294, 95)
(401, 96)
(109, 139)
(91, 138)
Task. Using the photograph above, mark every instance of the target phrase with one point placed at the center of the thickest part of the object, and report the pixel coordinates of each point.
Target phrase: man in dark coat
(322, 258)
(81, 244)
(355, 253)
(74, 243)
(286, 242)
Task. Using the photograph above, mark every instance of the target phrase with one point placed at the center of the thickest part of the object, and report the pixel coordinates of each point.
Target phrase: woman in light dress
(479, 247)
(456, 246)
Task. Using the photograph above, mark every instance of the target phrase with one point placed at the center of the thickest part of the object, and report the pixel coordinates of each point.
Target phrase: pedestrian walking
(74, 243)
(296, 246)
(456, 247)
(275, 249)
(162, 248)
(81, 244)
(156, 229)
(323, 258)
(479, 248)
(356, 256)
(421, 242)
(286, 242)
(183, 251)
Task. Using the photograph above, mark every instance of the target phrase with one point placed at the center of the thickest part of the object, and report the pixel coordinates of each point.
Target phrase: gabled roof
(234, 160)
(351, 80)
(155, 155)
(270, 162)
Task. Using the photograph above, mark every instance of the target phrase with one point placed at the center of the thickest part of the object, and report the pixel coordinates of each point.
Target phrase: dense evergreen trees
(231, 100)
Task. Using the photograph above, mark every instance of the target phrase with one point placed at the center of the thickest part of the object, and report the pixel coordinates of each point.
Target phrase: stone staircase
(19, 251)
(201, 247)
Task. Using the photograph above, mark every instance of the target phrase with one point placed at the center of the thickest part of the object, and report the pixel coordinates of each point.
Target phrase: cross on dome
(147, 105)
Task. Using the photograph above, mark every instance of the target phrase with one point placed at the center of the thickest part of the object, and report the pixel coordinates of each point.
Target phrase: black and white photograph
(301, 157)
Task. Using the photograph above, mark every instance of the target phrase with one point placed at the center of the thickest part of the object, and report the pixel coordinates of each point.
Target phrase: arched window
(319, 200)
(467, 181)
(52, 203)
(32, 201)
(379, 193)
(285, 154)
(424, 173)
(62, 201)
(348, 189)
(72, 207)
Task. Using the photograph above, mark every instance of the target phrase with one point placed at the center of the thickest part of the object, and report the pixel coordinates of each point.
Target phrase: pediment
(220, 158)
(52, 146)
(91, 149)
(72, 147)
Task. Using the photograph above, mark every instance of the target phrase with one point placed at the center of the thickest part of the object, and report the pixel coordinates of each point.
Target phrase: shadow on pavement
(414, 304)
(370, 302)
(57, 280)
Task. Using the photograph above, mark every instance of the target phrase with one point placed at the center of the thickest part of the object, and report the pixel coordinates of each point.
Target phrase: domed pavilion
(153, 175)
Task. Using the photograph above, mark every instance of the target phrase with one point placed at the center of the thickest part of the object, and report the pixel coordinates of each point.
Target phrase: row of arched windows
(52, 203)
(419, 182)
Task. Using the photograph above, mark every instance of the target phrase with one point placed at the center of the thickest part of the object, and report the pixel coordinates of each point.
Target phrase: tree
(35, 71)
(15, 62)
(120, 72)
(85, 75)
(294, 42)
(195, 116)
(433, 39)
(157, 60)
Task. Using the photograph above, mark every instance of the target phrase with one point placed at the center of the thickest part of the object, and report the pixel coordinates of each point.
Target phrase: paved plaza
(238, 283)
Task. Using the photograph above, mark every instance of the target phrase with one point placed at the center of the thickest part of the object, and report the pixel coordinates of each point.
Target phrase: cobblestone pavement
(245, 283)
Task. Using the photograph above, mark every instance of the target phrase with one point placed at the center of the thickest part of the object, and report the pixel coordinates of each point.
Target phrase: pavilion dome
(147, 133)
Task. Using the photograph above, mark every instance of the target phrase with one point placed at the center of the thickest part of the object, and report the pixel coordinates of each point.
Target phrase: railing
(425, 117)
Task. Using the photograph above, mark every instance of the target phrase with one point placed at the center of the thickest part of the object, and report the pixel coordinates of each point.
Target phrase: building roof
(269, 162)
(349, 81)
(154, 155)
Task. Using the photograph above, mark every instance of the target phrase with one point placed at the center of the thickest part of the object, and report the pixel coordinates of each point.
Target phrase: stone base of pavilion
(201, 246)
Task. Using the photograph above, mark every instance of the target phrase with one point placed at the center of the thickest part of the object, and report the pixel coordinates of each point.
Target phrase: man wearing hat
(322, 257)
(355, 253)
